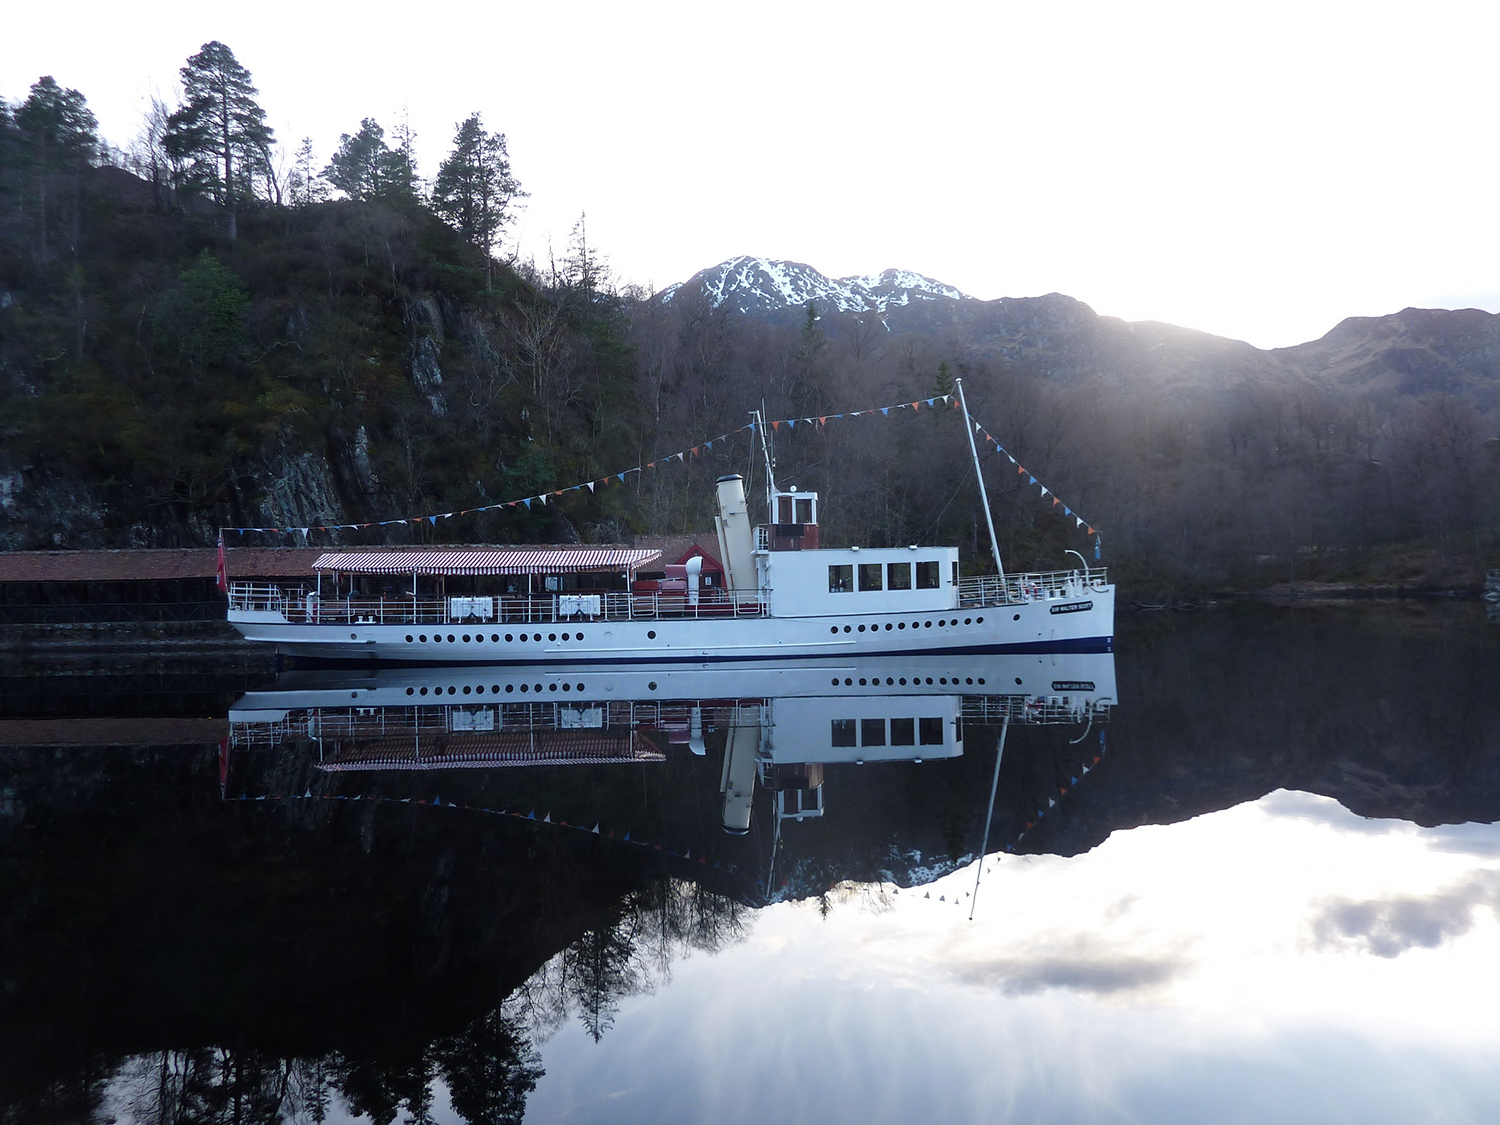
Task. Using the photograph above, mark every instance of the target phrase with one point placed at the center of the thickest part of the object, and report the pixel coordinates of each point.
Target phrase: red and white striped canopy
(529, 560)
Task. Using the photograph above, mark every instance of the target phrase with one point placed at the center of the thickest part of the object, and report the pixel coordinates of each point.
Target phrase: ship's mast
(765, 446)
(984, 497)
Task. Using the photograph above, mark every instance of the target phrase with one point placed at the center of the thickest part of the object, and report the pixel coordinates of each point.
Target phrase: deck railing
(305, 607)
(427, 718)
(1055, 585)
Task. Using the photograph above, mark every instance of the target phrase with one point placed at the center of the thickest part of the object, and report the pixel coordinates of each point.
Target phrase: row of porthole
(892, 681)
(494, 637)
(479, 690)
(915, 625)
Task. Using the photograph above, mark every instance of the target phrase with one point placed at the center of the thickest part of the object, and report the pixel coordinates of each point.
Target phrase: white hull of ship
(1083, 624)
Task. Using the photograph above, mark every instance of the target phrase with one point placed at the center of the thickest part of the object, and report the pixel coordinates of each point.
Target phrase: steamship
(773, 594)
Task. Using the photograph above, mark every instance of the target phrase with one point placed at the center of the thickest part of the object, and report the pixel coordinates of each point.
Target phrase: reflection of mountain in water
(209, 953)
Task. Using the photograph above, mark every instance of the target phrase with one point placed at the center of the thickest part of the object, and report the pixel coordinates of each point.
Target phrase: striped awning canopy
(495, 561)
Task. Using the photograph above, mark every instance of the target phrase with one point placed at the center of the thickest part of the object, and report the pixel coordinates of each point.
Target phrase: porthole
(552, 636)
(567, 687)
(410, 691)
(466, 638)
(537, 688)
(901, 625)
(479, 689)
(495, 637)
(551, 687)
(968, 621)
(833, 628)
(903, 681)
(468, 690)
(580, 686)
(508, 638)
(916, 624)
(889, 681)
(929, 624)
(354, 636)
(848, 682)
(509, 688)
(1018, 681)
(565, 636)
(981, 679)
(651, 635)
(887, 626)
(450, 638)
(929, 679)
(578, 636)
(452, 690)
(979, 621)
(525, 688)
(651, 686)
(495, 688)
(536, 636)
(862, 681)
(408, 638)
(1017, 617)
(848, 628)
(423, 638)
(969, 680)
(424, 691)
(861, 628)
(942, 679)
(835, 684)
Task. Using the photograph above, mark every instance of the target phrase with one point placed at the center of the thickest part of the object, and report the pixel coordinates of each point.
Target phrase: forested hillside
(206, 327)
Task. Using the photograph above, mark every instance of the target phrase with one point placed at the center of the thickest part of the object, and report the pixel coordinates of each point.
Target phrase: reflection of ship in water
(781, 725)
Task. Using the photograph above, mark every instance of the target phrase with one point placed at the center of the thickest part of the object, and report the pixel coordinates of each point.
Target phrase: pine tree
(474, 188)
(305, 185)
(58, 137)
(366, 168)
(220, 130)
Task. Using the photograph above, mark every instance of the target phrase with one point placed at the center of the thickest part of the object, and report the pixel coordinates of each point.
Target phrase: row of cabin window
(888, 576)
(904, 732)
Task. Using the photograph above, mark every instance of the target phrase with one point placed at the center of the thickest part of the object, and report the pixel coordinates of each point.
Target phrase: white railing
(1056, 585)
(427, 717)
(304, 607)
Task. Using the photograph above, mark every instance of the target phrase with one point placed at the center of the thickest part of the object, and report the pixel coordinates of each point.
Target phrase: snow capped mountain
(763, 285)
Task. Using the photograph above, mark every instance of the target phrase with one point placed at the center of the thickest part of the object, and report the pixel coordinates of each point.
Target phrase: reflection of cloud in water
(1388, 927)
(1083, 964)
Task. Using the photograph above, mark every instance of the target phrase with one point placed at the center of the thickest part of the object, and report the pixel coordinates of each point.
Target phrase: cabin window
(955, 572)
(843, 732)
(903, 732)
(931, 731)
(929, 576)
(784, 510)
(872, 732)
(804, 511)
(869, 576)
(898, 576)
(840, 579)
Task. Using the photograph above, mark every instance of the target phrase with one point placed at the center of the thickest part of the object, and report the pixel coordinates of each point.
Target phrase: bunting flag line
(817, 421)
(685, 854)
(1078, 521)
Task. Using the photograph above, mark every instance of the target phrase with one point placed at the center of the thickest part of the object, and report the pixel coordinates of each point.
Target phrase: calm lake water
(1244, 870)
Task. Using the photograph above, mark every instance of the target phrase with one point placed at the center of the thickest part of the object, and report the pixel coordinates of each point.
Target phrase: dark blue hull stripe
(1040, 648)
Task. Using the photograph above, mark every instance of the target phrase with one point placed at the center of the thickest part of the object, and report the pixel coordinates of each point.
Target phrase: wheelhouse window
(929, 575)
(869, 576)
(931, 731)
(898, 576)
(840, 579)
(903, 732)
(872, 732)
(804, 512)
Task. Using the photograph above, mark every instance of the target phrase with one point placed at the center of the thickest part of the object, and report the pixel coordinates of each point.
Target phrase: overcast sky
(1255, 170)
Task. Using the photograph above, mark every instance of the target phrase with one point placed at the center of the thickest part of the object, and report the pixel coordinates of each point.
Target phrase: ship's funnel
(736, 539)
(738, 781)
